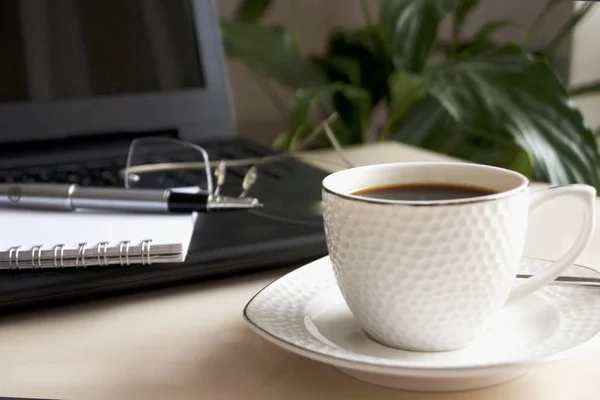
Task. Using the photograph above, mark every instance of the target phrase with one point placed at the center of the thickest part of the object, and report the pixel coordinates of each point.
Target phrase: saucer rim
(415, 371)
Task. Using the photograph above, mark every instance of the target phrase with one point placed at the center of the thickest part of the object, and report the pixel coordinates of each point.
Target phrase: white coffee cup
(428, 275)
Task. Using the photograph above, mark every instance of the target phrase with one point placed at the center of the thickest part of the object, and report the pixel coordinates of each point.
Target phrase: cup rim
(523, 186)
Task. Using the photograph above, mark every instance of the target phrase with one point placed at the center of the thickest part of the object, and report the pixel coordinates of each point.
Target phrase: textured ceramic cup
(427, 275)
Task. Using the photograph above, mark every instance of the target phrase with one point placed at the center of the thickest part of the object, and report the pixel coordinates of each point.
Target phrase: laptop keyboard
(95, 173)
(106, 172)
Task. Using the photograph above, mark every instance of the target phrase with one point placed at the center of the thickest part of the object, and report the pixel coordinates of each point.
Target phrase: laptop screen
(73, 49)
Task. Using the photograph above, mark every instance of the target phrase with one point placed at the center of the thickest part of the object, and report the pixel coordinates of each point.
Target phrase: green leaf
(482, 39)
(430, 126)
(352, 103)
(413, 26)
(405, 90)
(521, 97)
(461, 11)
(251, 10)
(271, 52)
(341, 69)
(366, 50)
(304, 107)
(585, 89)
(282, 141)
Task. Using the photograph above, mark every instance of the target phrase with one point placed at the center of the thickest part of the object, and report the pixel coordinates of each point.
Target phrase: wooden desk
(192, 343)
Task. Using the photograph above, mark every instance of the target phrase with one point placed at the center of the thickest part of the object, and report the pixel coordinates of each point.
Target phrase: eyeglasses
(167, 163)
(160, 162)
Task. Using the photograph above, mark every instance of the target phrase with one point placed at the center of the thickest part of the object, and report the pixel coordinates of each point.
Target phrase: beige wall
(585, 64)
(258, 118)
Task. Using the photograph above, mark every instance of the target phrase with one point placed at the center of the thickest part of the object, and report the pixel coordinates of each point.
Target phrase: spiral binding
(81, 254)
(39, 256)
(13, 250)
(62, 253)
(103, 245)
(126, 244)
(82, 258)
(146, 244)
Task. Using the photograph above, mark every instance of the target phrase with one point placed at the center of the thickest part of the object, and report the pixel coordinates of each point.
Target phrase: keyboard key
(72, 178)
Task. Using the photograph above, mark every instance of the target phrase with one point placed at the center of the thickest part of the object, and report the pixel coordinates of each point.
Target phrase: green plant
(497, 104)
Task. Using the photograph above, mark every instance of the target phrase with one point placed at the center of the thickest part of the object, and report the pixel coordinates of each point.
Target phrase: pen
(72, 197)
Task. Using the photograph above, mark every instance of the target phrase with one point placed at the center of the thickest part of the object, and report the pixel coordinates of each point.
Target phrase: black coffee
(422, 191)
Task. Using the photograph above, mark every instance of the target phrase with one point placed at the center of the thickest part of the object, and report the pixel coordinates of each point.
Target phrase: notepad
(57, 239)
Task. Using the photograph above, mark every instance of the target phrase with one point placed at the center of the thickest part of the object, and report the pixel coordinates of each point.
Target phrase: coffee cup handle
(587, 196)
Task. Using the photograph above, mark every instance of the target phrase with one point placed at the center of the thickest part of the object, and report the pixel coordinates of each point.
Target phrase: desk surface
(192, 343)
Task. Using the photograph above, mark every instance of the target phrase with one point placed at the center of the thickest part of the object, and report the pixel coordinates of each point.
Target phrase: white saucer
(304, 312)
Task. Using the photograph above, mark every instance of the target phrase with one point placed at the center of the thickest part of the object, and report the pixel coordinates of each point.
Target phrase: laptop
(80, 79)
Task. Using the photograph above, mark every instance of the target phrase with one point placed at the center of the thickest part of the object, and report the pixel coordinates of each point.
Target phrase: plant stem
(539, 22)
(564, 30)
(336, 145)
(326, 127)
(367, 12)
(316, 132)
(585, 89)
